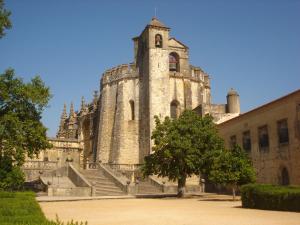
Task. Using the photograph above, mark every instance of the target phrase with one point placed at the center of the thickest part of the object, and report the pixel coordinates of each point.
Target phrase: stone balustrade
(123, 167)
(43, 165)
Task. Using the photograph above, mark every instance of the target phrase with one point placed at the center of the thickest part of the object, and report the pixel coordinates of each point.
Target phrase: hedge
(21, 208)
(271, 197)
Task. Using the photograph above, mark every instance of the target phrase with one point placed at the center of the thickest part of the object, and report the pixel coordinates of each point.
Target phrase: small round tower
(233, 102)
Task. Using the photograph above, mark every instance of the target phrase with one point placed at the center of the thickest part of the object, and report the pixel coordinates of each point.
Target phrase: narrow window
(263, 138)
(174, 62)
(158, 41)
(174, 109)
(283, 132)
(233, 141)
(247, 141)
(131, 102)
(285, 179)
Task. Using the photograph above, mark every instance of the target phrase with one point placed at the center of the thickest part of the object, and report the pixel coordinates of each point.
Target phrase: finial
(71, 110)
(64, 113)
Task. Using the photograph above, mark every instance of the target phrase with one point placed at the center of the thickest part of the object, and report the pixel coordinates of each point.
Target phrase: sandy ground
(170, 211)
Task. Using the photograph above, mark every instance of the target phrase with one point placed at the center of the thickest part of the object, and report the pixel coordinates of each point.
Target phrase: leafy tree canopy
(179, 147)
(231, 167)
(4, 19)
(21, 131)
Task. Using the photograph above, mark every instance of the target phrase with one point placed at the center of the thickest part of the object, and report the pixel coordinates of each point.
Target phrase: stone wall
(270, 162)
(117, 132)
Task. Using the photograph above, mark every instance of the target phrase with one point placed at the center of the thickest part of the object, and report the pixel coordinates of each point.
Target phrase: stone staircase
(103, 185)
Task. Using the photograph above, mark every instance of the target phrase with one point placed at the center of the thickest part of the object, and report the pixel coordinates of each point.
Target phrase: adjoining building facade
(271, 136)
(116, 127)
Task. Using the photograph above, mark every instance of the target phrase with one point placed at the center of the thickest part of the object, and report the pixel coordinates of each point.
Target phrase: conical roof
(155, 22)
(232, 92)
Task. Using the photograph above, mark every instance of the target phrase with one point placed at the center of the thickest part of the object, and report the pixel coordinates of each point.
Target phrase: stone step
(102, 192)
(108, 194)
(107, 186)
(93, 174)
(108, 190)
(102, 184)
(97, 184)
(96, 178)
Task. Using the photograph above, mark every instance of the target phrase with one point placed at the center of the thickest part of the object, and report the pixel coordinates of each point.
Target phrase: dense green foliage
(11, 178)
(4, 19)
(179, 147)
(21, 208)
(271, 197)
(21, 131)
(232, 168)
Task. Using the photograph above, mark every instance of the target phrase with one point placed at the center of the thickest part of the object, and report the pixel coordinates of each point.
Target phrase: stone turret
(233, 102)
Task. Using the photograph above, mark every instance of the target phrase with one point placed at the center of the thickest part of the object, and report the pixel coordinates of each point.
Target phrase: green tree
(231, 167)
(21, 131)
(179, 145)
(4, 19)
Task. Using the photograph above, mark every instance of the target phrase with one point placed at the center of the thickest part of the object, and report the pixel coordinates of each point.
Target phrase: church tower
(152, 59)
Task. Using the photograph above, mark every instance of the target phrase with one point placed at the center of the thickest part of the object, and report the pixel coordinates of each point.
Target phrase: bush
(13, 179)
(21, 208)
(271, 197)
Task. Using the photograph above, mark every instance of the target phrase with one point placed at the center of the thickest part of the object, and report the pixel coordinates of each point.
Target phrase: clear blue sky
(253, 46)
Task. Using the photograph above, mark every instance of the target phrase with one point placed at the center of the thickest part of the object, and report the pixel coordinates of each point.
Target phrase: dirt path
(166, 212)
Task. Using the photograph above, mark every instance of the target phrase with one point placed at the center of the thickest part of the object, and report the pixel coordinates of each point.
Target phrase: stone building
(116, 127)
(271, 136)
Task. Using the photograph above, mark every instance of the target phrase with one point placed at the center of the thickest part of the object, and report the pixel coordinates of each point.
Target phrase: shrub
(13, 179)
(271, 197)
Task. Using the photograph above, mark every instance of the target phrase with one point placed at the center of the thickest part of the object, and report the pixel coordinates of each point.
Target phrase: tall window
(263, 138)
(285, 179)
(233, 141)
(158, 41)
(247, 141)
(283, 132)
(131, 102)
(174, 62)
(174, 109)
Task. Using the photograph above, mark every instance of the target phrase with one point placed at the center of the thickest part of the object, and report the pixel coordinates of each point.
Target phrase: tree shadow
(218, 200)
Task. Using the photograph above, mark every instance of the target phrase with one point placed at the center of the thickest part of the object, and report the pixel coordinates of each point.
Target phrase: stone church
(115, 128)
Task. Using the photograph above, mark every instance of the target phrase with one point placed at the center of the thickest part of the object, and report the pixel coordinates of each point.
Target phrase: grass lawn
(21, 208)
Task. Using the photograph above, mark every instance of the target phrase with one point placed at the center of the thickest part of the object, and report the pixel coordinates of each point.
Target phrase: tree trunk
(181, 186)
(233, 192)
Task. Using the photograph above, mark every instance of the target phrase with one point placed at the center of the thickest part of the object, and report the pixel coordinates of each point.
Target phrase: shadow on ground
(218, 200)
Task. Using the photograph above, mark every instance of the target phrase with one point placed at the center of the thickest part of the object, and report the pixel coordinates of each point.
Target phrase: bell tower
(152, 59)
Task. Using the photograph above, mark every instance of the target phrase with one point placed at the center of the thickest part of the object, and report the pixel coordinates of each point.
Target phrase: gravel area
(167, 211)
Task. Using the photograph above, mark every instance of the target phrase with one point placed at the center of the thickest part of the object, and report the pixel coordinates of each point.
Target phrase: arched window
(174, 109)
(131, 102)
(174, 62)
(158, 41)
(285, 179)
